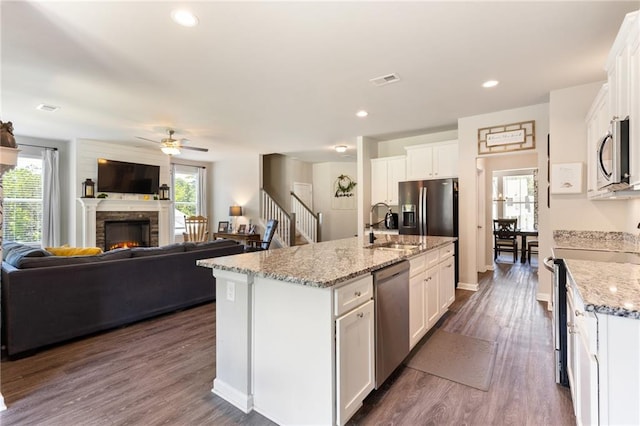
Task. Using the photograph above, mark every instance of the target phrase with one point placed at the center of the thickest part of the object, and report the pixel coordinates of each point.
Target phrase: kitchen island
(603, 325)
(294, 326)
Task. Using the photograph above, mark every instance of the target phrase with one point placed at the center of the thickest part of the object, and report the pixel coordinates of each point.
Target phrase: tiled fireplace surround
(96, 210)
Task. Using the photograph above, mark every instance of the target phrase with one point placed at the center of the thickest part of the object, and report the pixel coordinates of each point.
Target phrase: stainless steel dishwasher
(391, 292)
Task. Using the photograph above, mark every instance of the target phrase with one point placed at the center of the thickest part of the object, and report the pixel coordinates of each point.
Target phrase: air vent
(385, 79)
(47, 108)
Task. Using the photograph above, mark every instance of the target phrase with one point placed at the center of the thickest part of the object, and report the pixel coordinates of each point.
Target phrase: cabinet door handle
(578, 313)
(360, 315)
(357, 294)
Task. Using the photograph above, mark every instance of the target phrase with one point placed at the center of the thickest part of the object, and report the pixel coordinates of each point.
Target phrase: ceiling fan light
(170, 150)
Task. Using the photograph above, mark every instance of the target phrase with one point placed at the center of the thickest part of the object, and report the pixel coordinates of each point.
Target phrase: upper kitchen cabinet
(432, 161)
(386, 173)
(623, 77)
(597, 121)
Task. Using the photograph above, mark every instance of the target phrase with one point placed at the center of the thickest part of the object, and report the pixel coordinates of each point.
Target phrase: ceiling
(288, 77)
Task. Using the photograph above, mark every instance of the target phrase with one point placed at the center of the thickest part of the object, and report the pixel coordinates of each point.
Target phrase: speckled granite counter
(605, 287)
(324, 264)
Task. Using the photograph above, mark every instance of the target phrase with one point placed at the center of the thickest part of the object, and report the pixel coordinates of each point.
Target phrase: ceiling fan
(171, 146)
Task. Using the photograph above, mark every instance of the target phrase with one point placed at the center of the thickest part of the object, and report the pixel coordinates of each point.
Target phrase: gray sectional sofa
(49, 299)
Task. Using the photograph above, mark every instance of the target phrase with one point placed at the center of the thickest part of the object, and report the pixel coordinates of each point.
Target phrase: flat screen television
(129, 178)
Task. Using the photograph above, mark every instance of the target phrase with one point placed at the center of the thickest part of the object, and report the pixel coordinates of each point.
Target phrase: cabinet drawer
(432, 258)
(353, 294)
(446, 251)
(417, 264)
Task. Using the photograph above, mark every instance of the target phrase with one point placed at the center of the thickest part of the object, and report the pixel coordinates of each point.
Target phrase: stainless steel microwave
(612, 157)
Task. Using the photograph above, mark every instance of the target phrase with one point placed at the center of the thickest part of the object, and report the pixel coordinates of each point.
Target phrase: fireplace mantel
(92, 205)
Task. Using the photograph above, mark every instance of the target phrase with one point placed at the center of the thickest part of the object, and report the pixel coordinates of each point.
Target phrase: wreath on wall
(344, 186)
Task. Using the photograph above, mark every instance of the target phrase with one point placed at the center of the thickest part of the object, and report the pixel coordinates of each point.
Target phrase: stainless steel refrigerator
(429, 207)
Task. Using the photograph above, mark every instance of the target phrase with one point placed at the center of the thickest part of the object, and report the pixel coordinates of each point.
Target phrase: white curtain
(50, 199)
(202, 191)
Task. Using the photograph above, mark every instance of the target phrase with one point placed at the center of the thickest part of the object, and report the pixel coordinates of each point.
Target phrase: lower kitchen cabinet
(603, 366)
(431, 290)
(355, 360)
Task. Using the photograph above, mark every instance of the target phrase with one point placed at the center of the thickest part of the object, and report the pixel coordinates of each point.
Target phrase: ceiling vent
(385, 79)
(47, 108)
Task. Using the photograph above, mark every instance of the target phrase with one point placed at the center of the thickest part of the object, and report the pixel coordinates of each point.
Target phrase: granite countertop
(324, 264)
(607, 287)
(610, 288)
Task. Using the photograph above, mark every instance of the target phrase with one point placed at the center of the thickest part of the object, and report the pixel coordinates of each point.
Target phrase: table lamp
(234, 212)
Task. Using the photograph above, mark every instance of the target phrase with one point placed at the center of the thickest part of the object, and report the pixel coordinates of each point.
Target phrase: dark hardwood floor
(160, 372)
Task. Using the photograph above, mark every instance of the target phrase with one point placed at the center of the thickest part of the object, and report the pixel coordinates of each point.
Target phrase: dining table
(523, 234)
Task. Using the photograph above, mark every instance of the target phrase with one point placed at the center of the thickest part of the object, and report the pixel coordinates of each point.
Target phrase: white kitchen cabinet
(417, 300)
(432, 161)
(623, 97)
(431, 290)
(597, 121)
(603, 364)
(447, 277)
(386, 173)
(355, 360)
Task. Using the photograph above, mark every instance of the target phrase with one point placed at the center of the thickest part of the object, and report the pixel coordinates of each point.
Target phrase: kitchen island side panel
(293, 353)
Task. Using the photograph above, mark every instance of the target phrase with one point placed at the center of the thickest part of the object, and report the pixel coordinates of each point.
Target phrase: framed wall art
(507, 138)
(566, 178)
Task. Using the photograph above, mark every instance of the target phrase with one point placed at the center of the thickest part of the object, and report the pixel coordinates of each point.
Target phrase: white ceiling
(288, 77)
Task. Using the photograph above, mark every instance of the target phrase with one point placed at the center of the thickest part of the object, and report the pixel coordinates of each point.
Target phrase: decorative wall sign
(566, 178)
(344, 195)
(507, 138)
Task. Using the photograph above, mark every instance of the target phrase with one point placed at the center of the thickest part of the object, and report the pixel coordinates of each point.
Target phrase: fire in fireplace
(126, 233)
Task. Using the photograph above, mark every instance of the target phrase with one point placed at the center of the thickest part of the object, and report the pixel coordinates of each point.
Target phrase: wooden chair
(505, 238)
(196, 228)
(532, 248)
(269, 232)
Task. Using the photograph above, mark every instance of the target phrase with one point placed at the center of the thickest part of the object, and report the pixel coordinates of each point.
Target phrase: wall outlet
(231, 291)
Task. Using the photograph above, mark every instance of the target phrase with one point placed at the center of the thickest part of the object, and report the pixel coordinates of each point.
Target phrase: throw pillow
(74, 251)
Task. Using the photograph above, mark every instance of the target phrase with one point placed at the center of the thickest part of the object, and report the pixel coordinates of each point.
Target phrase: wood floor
(161, 371)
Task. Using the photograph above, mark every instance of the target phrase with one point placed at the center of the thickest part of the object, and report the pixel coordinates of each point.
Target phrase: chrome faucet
(372, 237)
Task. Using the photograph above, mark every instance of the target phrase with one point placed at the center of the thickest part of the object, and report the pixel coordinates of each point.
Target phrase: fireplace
(126, 233)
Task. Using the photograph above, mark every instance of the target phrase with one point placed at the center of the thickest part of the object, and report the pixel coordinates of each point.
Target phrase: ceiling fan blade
(145, 139)
(193, 148)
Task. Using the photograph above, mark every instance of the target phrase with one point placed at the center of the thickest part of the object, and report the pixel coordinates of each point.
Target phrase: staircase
(298, 227)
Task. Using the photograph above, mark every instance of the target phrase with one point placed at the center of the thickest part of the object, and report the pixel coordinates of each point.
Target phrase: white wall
(468, 152)
(280, 172)
(392, 147)
(568, 109)
(236, 182)
(336, 223)
(367, 149)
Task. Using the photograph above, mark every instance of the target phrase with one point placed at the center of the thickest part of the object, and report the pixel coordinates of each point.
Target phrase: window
(515, 196)
(23, 201)
(188, 198)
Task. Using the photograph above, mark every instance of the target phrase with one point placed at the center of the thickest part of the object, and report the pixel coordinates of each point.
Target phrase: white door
(481, 263)
(304, 191)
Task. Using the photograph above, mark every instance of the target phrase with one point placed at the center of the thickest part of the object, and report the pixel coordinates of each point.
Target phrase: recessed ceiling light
(341, 148)
(184, 18)
(490, 83)
(47, 108)
(362, 113)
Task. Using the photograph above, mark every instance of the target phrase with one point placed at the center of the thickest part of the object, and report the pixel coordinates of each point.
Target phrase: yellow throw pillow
(73, 251)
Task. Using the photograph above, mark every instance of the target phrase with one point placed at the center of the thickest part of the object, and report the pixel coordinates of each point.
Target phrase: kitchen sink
(394, 246)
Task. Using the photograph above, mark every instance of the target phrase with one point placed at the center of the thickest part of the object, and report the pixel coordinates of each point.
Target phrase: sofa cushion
(208, 245)
(115, 254)
(17, 254)
(73, 251)
(153, 251)
(43, 262)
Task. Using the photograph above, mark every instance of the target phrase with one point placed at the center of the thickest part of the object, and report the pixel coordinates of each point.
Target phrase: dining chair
(532, 248)
(505, 237)
(196, 228)
(264, 244)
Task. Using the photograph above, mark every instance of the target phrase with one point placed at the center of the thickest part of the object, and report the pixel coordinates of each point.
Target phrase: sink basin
(395, 246)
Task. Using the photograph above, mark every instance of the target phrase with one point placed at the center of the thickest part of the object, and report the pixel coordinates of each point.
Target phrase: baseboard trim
(229, 393)
(2, 406)
(545, 297)
(468, 286)
(490, 267)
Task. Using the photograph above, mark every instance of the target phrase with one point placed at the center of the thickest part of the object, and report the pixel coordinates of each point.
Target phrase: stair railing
(270, 209)
(307, 222)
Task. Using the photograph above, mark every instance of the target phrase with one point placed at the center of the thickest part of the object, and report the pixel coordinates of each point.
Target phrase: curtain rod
(37, 146)
(189, 165)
